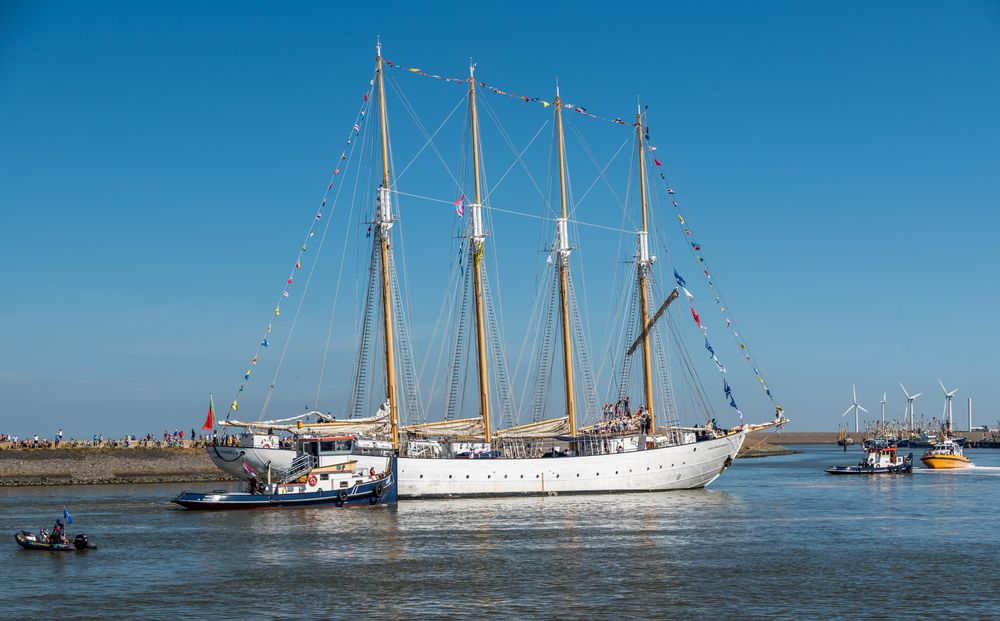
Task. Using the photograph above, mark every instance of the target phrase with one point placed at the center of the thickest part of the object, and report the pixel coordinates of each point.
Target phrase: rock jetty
(98, 466)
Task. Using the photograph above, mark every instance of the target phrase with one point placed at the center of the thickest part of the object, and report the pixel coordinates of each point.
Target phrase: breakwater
(830, 437)
(93, 466)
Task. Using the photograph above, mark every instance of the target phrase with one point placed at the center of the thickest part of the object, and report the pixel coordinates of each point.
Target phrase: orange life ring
(312, 480)
(266, 445)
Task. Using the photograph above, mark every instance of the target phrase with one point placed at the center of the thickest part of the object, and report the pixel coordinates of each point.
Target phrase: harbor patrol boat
(946, 454)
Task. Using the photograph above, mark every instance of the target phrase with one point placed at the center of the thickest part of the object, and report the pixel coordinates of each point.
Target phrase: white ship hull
(228, 459)
(687, 466)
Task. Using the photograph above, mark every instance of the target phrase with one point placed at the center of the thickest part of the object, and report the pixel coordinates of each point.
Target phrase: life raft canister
(312, 480)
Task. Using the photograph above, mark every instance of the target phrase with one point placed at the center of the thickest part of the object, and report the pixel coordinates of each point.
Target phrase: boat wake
(971, 468)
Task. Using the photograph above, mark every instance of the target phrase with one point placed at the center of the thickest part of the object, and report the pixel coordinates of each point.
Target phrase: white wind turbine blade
(854, 391)
(904, 390)
(862, 409)
(914, 397)
(847, 412)
(883, 398)
(943, 389)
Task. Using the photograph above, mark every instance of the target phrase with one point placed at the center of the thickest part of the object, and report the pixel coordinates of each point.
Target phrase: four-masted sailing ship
(621, 450)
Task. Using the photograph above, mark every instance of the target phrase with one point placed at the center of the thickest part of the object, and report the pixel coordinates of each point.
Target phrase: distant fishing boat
(626, 447)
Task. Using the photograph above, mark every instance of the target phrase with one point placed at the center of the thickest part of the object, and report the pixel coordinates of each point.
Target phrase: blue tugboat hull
(377, 492)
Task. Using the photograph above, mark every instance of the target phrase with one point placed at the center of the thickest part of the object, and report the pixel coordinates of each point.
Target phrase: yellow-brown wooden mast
(563, 255)
(384, 222)
(476, 250)
(642, 269)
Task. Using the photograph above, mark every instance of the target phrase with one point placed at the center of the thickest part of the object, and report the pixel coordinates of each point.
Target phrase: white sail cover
(377, 426)
(461, 428)
(541, 429)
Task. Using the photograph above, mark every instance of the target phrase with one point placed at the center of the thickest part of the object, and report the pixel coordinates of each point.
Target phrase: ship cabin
(326, 450)
(881, 453)
(329, 450)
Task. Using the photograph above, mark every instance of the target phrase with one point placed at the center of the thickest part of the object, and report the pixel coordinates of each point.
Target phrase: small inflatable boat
(31, 541)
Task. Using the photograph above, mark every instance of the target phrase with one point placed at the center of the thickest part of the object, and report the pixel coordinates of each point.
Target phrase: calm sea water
(774, 538)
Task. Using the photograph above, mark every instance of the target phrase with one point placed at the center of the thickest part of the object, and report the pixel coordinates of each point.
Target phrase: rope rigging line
(696, 251)
(517, 160)
(429, 140)
(340, 274)
(600, 170)
(420, 126)
(583, 351)
(354, 131)
(518, 157)
(497, 91)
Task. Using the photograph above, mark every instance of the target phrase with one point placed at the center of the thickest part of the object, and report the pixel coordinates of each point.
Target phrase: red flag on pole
(210, 421)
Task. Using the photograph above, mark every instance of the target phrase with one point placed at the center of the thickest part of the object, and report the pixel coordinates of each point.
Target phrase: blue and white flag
(67, 516)
(680, 281)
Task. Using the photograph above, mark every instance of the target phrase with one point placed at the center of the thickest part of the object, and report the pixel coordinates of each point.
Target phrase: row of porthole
(490, 476)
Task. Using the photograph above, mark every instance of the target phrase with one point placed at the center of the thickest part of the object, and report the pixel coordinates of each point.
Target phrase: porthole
(616, 472)
(505, 476)
(598, 474)
(522, 476)
(536, 476)
(449, 476)
(489, 476)
(578, 475)
(466, 476)
(421, 476)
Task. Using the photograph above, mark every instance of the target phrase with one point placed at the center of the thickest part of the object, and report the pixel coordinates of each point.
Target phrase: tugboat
(318, 476)
(880, 458)
(946, 454)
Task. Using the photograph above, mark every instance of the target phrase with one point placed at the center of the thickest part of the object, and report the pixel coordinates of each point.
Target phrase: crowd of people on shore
(176, 439)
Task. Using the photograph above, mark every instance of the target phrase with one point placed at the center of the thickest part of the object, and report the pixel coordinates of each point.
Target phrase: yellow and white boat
(945, 454)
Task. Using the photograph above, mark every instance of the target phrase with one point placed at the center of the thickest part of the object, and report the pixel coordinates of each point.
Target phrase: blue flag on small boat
(67, 516)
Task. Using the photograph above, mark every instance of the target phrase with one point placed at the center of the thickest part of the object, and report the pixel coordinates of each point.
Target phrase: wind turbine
(948, 396)
(883, 409)
(855, 406)
(909, 404)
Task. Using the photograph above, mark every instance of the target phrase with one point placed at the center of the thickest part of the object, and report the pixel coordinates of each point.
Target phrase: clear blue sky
(159, 162)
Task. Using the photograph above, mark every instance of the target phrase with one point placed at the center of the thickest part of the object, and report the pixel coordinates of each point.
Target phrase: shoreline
(106, 466)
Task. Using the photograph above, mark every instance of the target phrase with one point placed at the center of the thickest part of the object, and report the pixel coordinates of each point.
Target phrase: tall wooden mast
(642, 268)
(563, 255)
(384, 222)
(478, 238)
